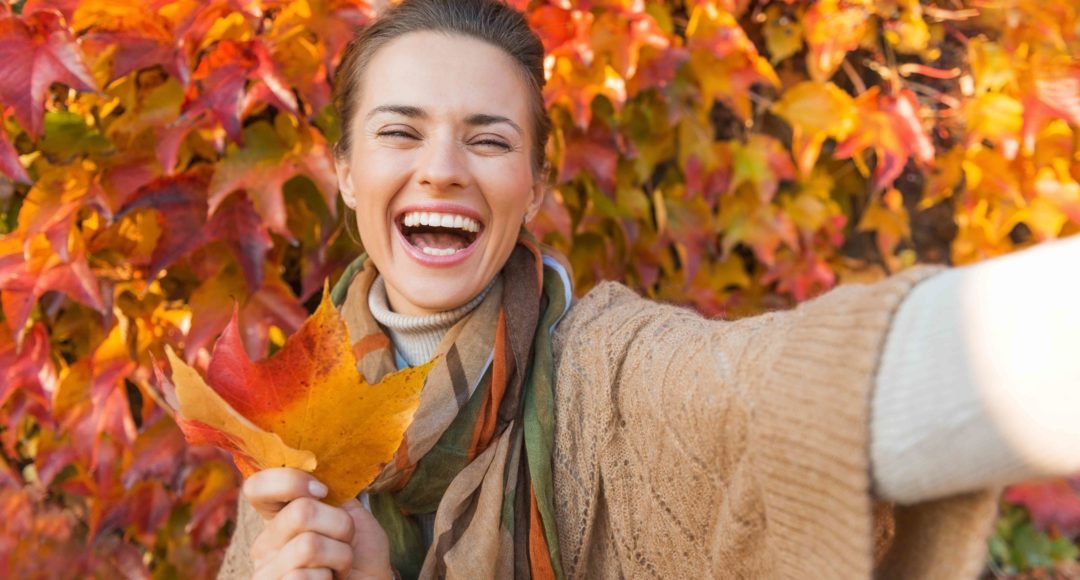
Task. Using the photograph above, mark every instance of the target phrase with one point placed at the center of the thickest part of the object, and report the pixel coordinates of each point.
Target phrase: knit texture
(416, 338)
(687, 447)
(975, 391)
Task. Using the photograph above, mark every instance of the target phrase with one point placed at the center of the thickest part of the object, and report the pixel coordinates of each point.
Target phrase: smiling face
(439, 169)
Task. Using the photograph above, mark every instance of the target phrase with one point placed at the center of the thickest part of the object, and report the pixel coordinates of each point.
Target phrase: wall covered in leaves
(164, 160)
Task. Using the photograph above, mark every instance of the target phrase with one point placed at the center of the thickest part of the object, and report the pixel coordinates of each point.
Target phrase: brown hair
(488, 20)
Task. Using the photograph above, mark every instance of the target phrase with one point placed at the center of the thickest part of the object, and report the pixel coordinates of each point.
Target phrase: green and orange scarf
(478, 452)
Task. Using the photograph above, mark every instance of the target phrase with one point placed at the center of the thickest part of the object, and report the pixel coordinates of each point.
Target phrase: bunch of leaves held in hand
(163, 160)
(306, 407)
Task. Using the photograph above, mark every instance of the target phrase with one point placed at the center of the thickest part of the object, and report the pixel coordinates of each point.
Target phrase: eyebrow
(483, 119)
(403, 110)
(474, 120)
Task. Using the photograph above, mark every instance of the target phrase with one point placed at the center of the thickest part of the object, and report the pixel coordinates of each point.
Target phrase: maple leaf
(1055, 94)
(306, 407)
(803, 274)
(814, 211)
(206, 419)
(657, 68)
(730, 79)
(620, 37)
(307, 38)
(154, 453)
(761, 226)
(263, 165)
(211, 491)
(833, 28)
(890, 126)
(565, 32)
(816, 112)
(54, 202)
(724, 60)
(272, 304)
(716, 31)
(887, 216)
(35, 52)
(783, 34)
(762, 161)
(129, 35)
(997, 117)
(220, 81)
(9, 157)
(27, 274)
(95, 386)
(27, 369)
(591, 152)
(575, 85)
(181, 205)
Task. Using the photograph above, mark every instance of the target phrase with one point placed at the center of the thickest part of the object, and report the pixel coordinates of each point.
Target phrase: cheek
(511, 189)
(374, 185)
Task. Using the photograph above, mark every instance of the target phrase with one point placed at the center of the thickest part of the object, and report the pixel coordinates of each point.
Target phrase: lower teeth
(438, 251)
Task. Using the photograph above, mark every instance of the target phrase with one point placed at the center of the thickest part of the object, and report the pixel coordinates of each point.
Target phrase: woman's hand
(305, 538)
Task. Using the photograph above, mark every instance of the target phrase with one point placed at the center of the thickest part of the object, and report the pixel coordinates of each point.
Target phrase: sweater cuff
(931, 434)
(814, 408)
(974, 391)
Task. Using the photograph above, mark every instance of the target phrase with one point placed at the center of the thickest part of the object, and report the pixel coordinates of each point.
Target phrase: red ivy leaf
(9, 157)
(36, 52)
(238, 224)
(592, 153)
(219, 82)
(892, 128)
(1052, 503)
(138, 37)
(26, 275)
(28, 368)
(273, 304)
(265, 163)
(182, 207)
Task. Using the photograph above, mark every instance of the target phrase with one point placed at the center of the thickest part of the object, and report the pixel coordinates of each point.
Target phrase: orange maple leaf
(305, 407)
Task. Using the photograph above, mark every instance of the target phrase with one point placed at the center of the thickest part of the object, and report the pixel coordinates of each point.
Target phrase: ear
(536, 198)
(344, 181)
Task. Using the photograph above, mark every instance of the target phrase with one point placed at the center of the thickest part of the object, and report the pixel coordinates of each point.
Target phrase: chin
(437, 294)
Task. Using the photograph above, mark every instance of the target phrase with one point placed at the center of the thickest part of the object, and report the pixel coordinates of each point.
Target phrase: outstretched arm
(685, 444)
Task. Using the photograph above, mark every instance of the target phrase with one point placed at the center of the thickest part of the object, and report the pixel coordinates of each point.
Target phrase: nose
(443, 165)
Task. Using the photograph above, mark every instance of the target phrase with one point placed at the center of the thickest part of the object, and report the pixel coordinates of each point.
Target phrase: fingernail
(317, 488)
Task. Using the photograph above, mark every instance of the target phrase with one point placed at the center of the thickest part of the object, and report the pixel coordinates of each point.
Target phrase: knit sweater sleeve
(740, 448)
(237, 564)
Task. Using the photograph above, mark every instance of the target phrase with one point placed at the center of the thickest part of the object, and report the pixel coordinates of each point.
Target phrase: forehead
(446, 75)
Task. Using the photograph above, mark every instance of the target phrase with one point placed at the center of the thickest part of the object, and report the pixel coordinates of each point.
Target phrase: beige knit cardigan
(689, 448)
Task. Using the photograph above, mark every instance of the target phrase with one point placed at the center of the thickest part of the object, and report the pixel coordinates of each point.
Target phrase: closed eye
(493, 143)
(397, 133)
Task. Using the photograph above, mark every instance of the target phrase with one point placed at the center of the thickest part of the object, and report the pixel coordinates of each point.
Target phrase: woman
(619, 437)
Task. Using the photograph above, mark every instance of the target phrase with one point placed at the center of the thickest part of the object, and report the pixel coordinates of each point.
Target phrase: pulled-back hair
(488, 20)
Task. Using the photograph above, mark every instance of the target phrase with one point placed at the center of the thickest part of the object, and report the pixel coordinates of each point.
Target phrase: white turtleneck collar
(415, 338)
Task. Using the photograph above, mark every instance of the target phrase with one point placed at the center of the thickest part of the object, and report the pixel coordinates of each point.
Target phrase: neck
(416, 338)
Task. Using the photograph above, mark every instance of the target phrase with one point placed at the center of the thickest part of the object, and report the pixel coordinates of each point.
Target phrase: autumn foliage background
(163, 160)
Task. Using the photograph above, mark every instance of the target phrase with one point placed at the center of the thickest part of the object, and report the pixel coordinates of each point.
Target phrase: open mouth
(438, 233)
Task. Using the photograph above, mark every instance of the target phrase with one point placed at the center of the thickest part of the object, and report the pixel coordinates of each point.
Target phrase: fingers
(302, 554)
(299, 516)
(270, 490)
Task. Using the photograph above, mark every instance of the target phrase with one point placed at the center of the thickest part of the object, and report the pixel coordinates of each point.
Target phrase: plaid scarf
(478, 452)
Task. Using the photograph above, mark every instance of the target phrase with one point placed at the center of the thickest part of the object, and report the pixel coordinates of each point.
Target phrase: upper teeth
(442, 220)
